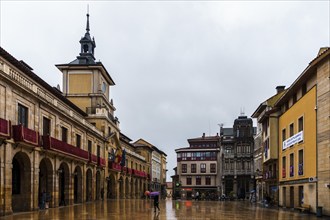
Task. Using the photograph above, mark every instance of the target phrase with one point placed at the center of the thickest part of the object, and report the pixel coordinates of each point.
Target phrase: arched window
(85, 48)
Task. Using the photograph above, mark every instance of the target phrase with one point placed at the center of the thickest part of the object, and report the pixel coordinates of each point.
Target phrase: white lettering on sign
(293, 140)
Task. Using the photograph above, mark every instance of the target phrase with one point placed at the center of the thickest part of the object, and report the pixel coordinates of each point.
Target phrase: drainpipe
(316, 145)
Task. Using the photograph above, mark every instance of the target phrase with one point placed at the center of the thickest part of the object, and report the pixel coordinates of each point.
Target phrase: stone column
(35, 180)
(7, 186)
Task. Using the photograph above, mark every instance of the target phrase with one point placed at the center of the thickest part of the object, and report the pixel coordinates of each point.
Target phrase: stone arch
(89, 182)
(127, 191)
(77, 185)
(121, 187)
(136, 189)
(46, 183)
(21, 183)
(63, 173)
(132, 188)
(111, 187)
(98, 184)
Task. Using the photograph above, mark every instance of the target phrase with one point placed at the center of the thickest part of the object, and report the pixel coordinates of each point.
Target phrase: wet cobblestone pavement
(143, 210)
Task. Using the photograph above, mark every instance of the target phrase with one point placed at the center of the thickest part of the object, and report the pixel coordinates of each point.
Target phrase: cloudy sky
(180, 67)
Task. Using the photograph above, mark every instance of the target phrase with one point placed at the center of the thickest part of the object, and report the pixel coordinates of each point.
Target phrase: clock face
(104, 87)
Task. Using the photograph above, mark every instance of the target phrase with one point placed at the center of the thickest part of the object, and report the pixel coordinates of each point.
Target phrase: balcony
(127, 170)
(283, 173)
(25, 135)
(92, 158)
(114, 166)
(50, 143)
(5, 128)
(138, 173)
(270, 175)
(100, 162)
(99, 111)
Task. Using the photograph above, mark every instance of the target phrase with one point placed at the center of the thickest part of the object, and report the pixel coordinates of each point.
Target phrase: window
(266, 147)
(294, 98)
(189, 180)
(184, 156)
(291, 165)
(248, 165)
(265, 127)
(22, 115)
(78, 141)
(198, 180)
(98, 152)
(184, 168)
(303, 89)
(213, 168)
(193, 168)
(291, 130)
(213, 156)
(45, 126)
(300, 124)
(89, 145)
(283, 167)
(202, 155)
(203, 168)
(207, 180)
(283, 135)
(64, 132)
(238, 149)
(301, 162)
(193, 156)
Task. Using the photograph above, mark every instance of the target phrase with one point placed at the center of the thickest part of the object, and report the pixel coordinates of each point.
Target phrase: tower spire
(87, 25)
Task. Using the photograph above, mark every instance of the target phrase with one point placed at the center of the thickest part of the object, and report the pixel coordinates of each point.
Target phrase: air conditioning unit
(312, 179)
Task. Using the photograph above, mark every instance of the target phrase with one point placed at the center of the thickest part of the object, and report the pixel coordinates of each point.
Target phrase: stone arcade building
(59, 143)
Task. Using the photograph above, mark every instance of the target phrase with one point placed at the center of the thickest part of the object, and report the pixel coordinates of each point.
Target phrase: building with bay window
(237, 147)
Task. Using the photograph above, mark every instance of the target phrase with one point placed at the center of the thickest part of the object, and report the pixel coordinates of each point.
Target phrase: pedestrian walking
(102, 193)
(156, 203)
(43, 199)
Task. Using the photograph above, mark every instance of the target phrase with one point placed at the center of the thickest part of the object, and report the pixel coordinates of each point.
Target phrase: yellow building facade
(304, 138)
(297, 129)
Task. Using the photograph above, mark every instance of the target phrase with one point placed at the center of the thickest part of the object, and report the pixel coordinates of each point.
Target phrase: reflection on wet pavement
(143, 209)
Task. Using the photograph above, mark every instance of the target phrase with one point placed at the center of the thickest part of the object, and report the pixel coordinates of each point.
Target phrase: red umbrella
(146, 193)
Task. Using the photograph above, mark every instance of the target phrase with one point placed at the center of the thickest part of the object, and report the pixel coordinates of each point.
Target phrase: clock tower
(86, 83)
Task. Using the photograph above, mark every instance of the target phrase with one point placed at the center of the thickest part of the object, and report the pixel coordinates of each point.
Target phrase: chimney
(203, 135)
(280, 89)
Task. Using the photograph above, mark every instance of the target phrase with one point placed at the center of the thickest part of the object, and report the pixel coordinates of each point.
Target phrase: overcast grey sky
(180, 68)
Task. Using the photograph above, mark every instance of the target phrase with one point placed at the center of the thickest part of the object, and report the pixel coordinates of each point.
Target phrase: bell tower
(87, 83)
(88, 45)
